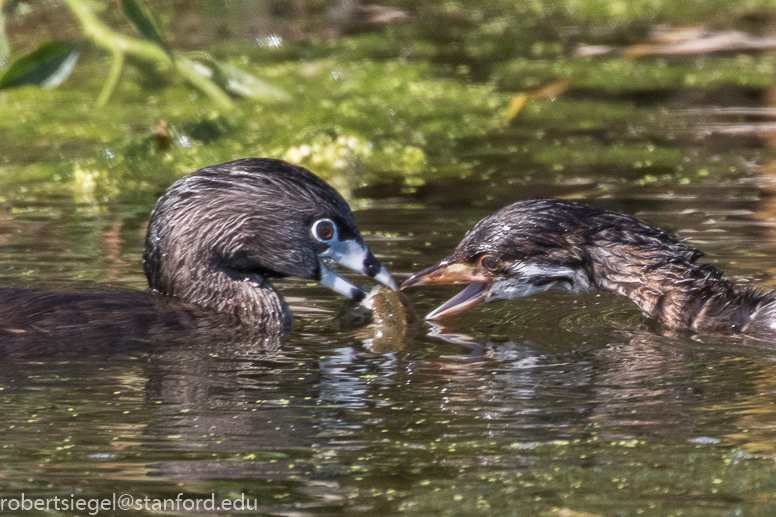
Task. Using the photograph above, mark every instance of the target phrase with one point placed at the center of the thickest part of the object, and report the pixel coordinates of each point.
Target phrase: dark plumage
(215, 240)
(534, 245)
(219, 235)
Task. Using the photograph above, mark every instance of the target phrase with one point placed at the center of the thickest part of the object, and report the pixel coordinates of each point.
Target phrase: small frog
(393, 320)
(387, 317)
(388, 306)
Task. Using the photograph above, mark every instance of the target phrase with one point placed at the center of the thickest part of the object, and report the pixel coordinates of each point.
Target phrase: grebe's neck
(671, 287)
(250, 298)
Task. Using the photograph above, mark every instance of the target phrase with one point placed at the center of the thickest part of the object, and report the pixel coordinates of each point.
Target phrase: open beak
(453, 273)
(356, 256)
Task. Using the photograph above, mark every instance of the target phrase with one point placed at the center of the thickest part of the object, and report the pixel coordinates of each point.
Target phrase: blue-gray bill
(356, 256)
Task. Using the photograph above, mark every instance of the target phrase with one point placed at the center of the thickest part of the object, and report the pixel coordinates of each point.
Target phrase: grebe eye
(490, 263)
(323, 230)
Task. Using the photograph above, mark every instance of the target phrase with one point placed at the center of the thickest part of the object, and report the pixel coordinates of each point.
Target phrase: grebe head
(218, 235)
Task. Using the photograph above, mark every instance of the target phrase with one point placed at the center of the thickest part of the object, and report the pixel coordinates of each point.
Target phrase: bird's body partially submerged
(215, 241)
(534, 245)
(218, 235)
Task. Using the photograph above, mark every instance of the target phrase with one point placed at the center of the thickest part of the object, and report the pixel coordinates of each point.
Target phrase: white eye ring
(324, 230)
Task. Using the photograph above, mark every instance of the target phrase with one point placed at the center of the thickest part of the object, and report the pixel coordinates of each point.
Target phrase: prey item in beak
(356, 256)
(453, 273)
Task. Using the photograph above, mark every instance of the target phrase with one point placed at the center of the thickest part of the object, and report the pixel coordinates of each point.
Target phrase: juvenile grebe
(534, 245)
(215, 240)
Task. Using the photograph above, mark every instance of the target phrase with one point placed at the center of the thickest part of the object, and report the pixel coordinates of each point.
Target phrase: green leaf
(144, 19)
(238, 82)
(233, 80)
(47, 66)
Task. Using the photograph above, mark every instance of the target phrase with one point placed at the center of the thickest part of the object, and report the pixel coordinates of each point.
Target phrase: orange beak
(453, 273)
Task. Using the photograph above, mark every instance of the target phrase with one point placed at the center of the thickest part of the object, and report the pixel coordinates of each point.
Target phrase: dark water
(550, 404)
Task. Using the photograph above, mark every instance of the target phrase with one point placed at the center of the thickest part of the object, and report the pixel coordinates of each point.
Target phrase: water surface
(556, 404)
(527, 406)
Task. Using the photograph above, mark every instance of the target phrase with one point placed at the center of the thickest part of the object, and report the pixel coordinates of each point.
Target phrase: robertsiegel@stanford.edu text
(94, 505)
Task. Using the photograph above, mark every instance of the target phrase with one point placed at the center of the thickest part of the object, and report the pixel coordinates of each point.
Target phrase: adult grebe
(218, 235)
(215, 240)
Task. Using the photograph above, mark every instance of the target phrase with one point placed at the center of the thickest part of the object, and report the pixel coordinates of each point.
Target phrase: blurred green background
(400, 92)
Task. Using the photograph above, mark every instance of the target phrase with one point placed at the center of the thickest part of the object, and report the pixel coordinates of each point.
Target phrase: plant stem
(120, 45)
(5, 49)
(113, 78)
